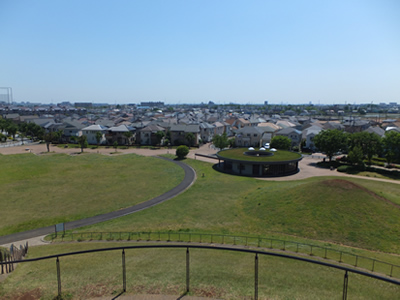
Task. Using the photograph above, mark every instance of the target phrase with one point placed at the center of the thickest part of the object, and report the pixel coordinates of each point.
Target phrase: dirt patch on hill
(30, 295)
(348, 185)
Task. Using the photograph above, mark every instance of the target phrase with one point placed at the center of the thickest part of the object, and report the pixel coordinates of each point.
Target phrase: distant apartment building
(83, 105)
(152, 104)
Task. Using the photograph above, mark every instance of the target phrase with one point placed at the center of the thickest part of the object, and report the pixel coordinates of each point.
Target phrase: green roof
(238, 154)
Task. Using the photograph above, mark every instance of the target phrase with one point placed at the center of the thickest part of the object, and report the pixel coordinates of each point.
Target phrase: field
(38, 191)
(357, 215)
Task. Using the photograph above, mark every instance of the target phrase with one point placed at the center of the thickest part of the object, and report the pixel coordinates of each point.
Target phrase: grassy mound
(335, 210)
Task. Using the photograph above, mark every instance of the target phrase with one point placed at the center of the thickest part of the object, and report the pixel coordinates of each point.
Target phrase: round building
(258, 163)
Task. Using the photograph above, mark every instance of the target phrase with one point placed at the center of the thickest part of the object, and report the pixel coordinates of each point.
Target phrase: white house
(91, 132)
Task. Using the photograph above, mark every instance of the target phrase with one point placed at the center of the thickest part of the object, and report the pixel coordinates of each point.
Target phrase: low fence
(8, 258)
(256, 254)
(370, 264)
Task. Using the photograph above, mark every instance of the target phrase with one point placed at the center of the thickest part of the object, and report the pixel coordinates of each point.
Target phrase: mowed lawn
(38, 191)
(340, 210)
(326, 211)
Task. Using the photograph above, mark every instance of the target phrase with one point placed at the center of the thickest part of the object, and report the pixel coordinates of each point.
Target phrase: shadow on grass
(116, 297)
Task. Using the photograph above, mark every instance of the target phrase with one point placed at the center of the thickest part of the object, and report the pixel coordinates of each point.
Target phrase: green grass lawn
(337, 210)
(329, 211)
(238, 153)
(37, 191)
(218, 274)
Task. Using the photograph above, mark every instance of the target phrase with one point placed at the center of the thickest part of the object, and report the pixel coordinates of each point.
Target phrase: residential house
(148, 134)
(179, 132)
(91, 133)
(249, 137)
(121, 134)
(308, 135)
(293, 134)
(206, 132)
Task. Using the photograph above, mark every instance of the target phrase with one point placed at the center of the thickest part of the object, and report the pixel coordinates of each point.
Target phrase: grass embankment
(218, 274)
(38, 191)
(331, 209)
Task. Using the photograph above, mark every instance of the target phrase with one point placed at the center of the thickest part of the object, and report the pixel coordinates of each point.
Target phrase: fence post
(297, 248)
(256, 277)
(340, 259)
(1, 260)
(345, 285)
(356, 261)
(373, 265)
(123, 271)
(58, 277)
(391, 271)
(187, 270)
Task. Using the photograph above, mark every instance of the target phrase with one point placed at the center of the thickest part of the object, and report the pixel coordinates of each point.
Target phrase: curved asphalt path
(190, 177)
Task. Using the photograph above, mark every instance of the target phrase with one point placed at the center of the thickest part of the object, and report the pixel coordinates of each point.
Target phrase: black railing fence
(256, 254)
(8, 257)
(370, 264)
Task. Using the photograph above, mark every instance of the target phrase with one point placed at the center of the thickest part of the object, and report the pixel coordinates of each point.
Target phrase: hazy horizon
(248, 52)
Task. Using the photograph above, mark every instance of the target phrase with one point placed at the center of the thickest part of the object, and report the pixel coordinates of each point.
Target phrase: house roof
(95, 127)
(186, 128)
(120, 128)
(288, 131)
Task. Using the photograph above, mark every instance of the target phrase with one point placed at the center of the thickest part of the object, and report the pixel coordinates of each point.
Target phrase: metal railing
(371, 264)
(256, 264)
(8, 258)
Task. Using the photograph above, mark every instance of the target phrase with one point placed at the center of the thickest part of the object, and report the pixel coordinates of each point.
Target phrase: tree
(356, 156)
(182, 151)
(330, 142)
(82, 141)
(99, 136)
(232, 142)
(391, 146)
(369, 143)
(115, 145)
(220, 141)
(281, 142)
(190, 138)
(159, 136)
(48, 138)
(12, 130)
(128, 135)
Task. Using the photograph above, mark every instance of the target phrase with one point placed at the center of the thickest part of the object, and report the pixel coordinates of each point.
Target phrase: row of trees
(359, 145)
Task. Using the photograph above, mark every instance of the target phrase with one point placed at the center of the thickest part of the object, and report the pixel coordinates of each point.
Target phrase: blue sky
(326, 52)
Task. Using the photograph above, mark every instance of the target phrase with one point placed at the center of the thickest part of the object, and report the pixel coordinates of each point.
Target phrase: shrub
(182, 151)
(343, 168)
